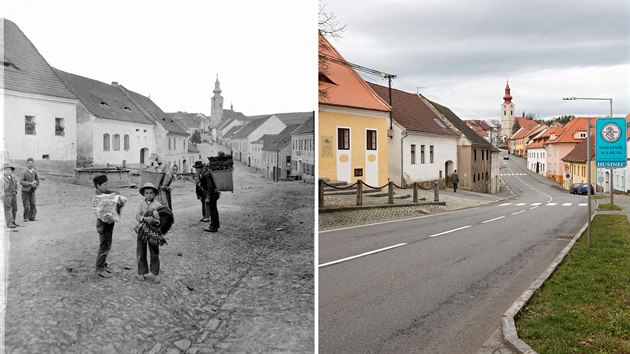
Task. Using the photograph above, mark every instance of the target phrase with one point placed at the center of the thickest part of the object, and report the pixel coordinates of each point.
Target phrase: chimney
(114, 83)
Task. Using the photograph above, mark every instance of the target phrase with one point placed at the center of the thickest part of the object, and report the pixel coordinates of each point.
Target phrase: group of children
(153, 219)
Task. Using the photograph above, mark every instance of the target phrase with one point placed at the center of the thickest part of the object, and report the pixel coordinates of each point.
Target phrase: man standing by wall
(211, 197)
(10, 196)
(455, 180)
(29, 182)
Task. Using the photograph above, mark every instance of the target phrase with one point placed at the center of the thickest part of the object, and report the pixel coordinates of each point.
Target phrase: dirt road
(247, 288)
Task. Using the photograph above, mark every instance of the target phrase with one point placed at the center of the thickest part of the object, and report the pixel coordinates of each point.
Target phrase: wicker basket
(223, 180)
(151, 176)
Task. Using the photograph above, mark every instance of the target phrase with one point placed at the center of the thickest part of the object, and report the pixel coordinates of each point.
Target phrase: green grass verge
(600, 196)
(584, 307)
(608, 207)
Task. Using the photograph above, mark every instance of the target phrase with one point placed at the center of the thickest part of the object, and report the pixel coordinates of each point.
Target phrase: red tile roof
(342, 85)
(412, 112)
(569, 130)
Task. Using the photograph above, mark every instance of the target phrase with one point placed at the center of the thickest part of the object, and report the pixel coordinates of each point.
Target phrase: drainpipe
(402, 160)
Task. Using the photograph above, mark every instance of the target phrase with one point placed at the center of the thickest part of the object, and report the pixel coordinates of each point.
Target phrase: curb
(508, 326)
(383, 206)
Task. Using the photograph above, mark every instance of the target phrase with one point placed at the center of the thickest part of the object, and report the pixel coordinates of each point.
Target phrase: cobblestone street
(247, 288)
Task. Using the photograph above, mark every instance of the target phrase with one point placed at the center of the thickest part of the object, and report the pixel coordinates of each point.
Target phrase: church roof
(25, 69)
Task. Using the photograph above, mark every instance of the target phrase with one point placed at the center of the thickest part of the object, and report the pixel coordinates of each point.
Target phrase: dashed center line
(551, 204)
(500, 217)
(518, 212)
(361, 255)
(520, 204)
(582, 204)
(566, 204)
(449, 231)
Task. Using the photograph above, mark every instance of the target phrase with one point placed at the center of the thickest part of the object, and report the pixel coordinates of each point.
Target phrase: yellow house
(353, 123)
(575, 165)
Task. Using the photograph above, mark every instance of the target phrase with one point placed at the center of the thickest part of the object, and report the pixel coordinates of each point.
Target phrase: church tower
(507, 114)
(216, 109)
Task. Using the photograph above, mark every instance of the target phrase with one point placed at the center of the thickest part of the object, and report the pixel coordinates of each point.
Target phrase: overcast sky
(462, 52)
(263, 51)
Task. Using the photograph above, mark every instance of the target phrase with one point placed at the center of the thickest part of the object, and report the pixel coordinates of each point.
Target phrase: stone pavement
(247, 288)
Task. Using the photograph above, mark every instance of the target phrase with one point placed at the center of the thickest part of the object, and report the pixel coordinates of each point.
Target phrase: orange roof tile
(342, 85)
(574, 125)
(525, 123)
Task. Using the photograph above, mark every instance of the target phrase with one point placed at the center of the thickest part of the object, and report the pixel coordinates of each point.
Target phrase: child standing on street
(9, 196)
(104, 227)
(147, 215)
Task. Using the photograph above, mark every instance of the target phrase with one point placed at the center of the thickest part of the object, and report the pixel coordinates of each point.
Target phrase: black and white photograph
(159, 173)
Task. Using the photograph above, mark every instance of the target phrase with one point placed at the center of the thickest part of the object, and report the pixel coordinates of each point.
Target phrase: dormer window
(127, 108)
(7, 64)
(104, 104)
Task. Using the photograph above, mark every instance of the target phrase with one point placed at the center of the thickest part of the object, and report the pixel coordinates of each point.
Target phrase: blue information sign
(610, 149)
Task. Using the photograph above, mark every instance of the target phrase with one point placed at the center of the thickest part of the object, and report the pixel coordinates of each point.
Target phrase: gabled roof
(341, 84)
(103, 100)
(565, 135)
(578, 154)
(155, 113)
(412, 112)
(294, 117)
(307, 127)
(249, 128)
(527, 131)
(283, 139)
(188, 120)
(461, 126)
(525, 123)
(230, 133)
(24, 68)
(268, 137)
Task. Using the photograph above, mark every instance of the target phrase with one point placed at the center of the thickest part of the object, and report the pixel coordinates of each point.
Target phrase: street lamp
(588, 159)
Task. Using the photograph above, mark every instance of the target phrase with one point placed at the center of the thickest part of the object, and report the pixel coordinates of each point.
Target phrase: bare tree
(329, 26)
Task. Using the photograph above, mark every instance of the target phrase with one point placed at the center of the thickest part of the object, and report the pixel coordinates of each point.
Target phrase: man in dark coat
(198, 166)
(455, 180)
(211, 195)
(9, 196)
(29, 182)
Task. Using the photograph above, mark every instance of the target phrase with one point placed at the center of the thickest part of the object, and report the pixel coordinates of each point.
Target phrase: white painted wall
(538, 155)
(20, 146)
(140, 136)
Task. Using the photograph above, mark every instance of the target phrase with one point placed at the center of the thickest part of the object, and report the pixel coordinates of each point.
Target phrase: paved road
(439, 284)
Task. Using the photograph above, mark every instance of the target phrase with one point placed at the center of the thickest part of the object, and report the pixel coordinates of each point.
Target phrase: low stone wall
(115, 177)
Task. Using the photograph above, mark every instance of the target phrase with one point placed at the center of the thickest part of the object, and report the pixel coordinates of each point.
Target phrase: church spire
(217, 89)
(507, 99)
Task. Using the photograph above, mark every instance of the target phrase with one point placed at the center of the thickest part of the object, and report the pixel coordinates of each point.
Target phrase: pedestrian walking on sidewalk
(205, 214)
(29, 182)
(147, 216)
(455, 180)
(104, 222)
(9, 196)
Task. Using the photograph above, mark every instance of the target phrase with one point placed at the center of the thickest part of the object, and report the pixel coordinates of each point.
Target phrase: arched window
(105, 142)
(116, 142)
(126, 142)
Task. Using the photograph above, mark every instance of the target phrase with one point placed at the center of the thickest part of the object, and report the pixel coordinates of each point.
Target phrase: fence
(359, 184)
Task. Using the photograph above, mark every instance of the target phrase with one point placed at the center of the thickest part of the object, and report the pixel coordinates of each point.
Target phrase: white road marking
(504, 204)
(520, 204)
(361, 255)
(518, 212)
(582, 204)
(534, 207)
(449, 231)
(500, 217)
(566, 204)
(536, 204)
(551, 204)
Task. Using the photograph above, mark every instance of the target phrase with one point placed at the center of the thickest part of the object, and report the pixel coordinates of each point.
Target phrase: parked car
(573, 189)
(583, 189)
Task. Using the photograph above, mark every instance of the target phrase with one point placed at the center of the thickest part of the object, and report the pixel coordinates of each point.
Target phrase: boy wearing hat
(105, 230)
(9, 196)
(29, 182)
(149, 204)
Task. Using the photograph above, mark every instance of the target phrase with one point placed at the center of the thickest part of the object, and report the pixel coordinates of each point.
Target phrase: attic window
(439, 122)
(103, 103)
(127, 108)
(9, 64)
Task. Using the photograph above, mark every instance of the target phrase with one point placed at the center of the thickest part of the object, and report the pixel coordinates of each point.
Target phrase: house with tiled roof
(257, 151)
(561, 143)
(115, 124)
(250, 132)
(423, 148)
(477, 160)
(353, 123)
(39, 110)
(191, 122)
(303, 150)
(522, 138)
(276, 155)
(575, 162)
(536, 152)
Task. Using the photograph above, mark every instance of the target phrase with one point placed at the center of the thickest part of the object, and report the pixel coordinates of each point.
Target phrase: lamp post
(588, 159)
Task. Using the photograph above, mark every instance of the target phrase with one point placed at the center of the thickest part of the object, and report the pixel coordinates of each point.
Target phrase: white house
(422, 148)
(39, 111)
(252, 131)
(115, 124)
(303, 150)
